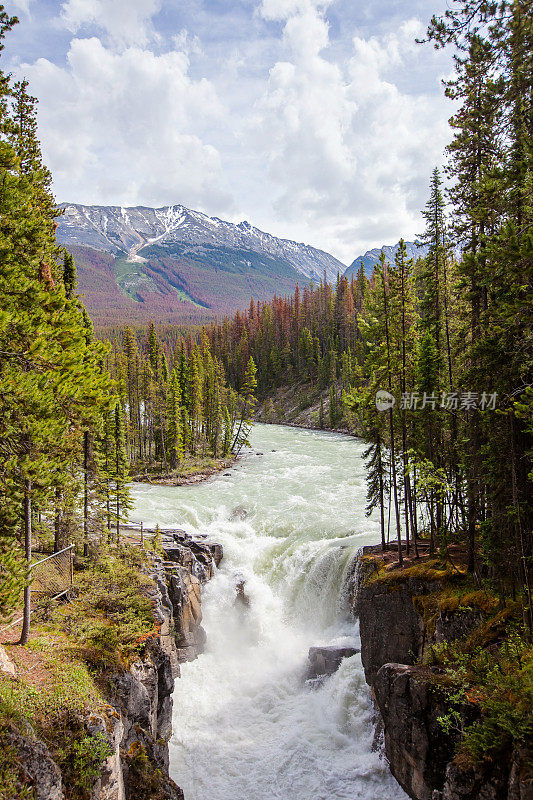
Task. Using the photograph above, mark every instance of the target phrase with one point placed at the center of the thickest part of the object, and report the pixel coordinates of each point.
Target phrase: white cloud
(349, 153)
(20, 7)
(284, 9)
(127, 22)
(325, 135)
(127, 127)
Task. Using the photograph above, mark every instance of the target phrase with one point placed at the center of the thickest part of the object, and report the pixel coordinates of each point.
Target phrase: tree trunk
(58, 535)
(25, 633)
(86, 493)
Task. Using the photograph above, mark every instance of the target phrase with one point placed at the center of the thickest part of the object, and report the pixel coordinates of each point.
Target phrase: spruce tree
(69, 275)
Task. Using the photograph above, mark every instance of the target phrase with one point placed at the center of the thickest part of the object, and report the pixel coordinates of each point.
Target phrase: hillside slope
(178, 265)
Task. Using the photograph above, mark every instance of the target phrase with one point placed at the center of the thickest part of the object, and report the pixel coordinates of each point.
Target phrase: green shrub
(112, 618)
(81, 761)
(498, 682)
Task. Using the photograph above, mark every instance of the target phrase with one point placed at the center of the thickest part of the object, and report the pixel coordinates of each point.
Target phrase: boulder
(6, 665)
(327, 660)
(241, 598)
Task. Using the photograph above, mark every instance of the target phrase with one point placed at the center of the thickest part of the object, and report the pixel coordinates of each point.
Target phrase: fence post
(142, 536)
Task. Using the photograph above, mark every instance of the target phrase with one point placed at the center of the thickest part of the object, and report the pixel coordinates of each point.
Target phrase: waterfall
(246, 724)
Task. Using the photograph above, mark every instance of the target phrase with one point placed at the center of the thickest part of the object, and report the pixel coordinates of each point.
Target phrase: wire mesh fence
(51, 577)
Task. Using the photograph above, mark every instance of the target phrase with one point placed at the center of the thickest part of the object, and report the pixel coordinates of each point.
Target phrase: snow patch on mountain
(371, 257)
(117, 230)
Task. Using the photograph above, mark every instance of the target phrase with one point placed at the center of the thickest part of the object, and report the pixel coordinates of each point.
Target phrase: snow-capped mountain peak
(118, 230)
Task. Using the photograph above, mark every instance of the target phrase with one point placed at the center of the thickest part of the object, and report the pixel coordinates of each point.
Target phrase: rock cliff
(135, 724)
(409, 696)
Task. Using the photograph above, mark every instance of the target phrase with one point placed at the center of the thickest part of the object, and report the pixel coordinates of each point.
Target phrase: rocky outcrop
(143, 694)
(420, 753)
(110, 783)
(415, 744)
(392, 630)
(410, 698)
(37, 769)
(327, 660)
(190, 562)
(495, 781)
(136, 723)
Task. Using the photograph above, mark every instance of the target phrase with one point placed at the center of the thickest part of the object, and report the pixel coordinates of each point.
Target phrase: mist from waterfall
(291, 517)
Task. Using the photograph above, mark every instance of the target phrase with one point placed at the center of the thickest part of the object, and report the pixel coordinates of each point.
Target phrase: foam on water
(246, 725)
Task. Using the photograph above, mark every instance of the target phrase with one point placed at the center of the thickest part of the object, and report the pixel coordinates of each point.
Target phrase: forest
(450, 337)
(432, 362)
(77, 415)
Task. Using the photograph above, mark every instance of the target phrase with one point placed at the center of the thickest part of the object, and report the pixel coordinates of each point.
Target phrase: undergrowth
(109, 622)
(497, 681)
(55, 711)
(111, 619)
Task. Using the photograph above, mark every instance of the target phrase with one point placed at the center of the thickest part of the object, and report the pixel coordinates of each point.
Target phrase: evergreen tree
(247, 402)
(69, 275)
(119, 494)
(174, 417)
(50, 375)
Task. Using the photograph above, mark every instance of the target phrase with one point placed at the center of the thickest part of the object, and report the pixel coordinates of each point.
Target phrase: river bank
(191, 470)
(304, 405)
(450, 674)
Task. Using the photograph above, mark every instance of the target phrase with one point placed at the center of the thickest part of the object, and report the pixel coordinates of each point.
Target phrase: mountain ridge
(177, 223)
(371, 257)
(175, 265)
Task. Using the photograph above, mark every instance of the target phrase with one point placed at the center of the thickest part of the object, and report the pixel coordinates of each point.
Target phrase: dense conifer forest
(432, 361)
(78, 416)
(450, 337)
(178, 404)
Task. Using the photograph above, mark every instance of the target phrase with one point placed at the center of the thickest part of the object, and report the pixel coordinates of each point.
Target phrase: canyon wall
(136, 721)
(410, 696)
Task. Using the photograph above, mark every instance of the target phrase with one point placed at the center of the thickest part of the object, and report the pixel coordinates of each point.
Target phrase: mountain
(172, 264)
(371, 257)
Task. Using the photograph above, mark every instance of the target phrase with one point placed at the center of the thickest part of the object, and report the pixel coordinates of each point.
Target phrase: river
(246, 725)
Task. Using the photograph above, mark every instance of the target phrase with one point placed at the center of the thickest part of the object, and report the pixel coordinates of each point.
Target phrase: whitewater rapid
(246, 726)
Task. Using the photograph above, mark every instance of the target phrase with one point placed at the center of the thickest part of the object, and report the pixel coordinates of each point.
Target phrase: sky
(315, 120)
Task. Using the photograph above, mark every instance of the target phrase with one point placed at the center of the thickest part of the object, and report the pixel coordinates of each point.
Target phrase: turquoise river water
(246, 724)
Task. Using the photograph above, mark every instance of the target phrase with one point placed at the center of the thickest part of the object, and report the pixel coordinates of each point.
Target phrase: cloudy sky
(317, 120)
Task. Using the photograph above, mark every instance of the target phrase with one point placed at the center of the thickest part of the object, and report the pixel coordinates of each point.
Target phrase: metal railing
(52, 577)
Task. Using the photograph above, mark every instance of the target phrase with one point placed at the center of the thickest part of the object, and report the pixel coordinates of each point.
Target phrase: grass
(130, 277)
(62, 673)
(486, 677)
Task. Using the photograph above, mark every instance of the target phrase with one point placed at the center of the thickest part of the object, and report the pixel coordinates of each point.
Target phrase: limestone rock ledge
(137, 721)
(420, 753)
